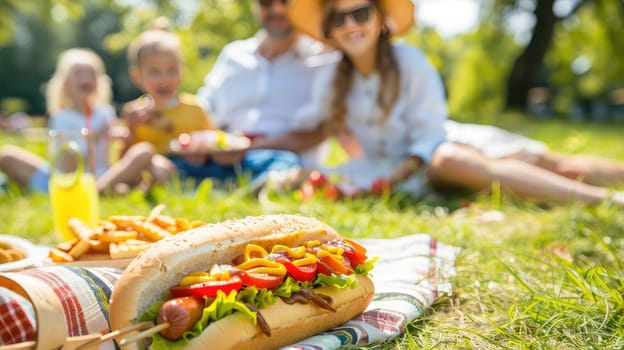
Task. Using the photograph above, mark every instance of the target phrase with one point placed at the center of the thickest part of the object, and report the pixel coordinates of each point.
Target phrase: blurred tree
(583, 60)
(29, 61)
(40, 33)
(12, 10)
(473, 67)
(547, 15)
(26, 39)
(482, 61)
(570, 48)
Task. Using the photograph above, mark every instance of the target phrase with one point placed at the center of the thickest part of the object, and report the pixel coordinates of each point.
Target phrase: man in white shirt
(258, 84)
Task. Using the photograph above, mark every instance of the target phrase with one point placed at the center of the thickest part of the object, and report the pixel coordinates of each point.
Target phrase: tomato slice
(207, 289)
(305, 273)
(261, 280)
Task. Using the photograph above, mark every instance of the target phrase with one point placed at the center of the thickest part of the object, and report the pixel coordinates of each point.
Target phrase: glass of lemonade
(73, 189)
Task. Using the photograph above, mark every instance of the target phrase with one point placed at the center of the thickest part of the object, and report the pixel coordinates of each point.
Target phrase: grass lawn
(528, 276)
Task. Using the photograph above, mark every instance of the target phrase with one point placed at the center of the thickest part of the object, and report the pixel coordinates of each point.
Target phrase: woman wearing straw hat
(390, 97)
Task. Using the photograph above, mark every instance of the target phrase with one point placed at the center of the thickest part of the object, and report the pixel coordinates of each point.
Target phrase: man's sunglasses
(269, 3)
(359, 15)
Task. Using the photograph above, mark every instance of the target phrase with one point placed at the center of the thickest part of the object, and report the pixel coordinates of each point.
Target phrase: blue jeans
(255, 166)
(39, 180)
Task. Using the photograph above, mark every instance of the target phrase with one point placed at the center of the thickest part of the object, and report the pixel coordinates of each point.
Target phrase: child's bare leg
(590, 169)
(19, 164)
(127, 170)
(458, 165)
(162, 169)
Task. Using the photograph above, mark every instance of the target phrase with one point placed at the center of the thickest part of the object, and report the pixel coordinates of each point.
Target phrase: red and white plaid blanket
(84, 294)
(411, 273)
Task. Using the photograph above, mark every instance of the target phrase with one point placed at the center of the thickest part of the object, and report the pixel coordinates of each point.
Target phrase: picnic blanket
(412, 272)
(82, 295)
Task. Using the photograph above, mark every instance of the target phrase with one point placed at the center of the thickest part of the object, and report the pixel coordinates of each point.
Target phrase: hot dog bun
(147, 278)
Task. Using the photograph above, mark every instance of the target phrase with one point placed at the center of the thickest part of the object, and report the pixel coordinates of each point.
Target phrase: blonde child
(162, 113)
(78, 96)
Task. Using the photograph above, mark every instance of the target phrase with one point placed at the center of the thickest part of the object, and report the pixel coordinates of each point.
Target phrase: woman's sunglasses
(359, 15)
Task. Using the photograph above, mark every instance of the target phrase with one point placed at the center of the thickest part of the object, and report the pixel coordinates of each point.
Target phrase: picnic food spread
(117, 238)
(208, 142)
(243, 284)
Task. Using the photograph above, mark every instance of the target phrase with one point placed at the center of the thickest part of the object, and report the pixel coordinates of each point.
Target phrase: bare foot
(121, 189)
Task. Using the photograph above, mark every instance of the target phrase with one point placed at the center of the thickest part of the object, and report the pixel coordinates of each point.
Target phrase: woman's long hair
(387, 67)
(56, 93)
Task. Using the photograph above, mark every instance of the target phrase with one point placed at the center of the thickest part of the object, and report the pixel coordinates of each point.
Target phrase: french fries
(8, 253)
(127, 249)
(119, 237)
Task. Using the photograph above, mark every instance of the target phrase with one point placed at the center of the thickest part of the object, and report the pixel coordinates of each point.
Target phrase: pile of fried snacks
(9, 253)
(120, 236)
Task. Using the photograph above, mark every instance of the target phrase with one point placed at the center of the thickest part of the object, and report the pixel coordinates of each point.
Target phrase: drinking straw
(90, 151)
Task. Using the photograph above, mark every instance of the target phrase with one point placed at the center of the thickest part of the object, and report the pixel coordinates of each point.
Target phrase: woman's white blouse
(415, 126)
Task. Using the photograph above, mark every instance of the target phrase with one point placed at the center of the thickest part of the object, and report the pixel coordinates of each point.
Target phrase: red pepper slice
(207, 289)
(303, 273)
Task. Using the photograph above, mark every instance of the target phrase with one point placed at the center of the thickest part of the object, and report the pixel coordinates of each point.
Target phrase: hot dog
(256, 280)
(181, 313)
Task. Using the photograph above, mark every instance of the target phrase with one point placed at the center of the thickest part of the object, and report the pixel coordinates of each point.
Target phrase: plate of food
(209, 142)
(116, 240)
(17, 253)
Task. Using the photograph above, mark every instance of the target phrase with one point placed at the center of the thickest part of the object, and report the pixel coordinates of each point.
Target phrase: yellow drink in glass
(79, 200)
(73, 189)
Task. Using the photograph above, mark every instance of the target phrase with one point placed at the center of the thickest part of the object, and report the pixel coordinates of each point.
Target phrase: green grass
(540, 278)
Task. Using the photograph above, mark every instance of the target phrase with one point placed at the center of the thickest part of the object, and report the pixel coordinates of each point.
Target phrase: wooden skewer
(29, 345)
(108, 336)
(146, 333)
(80, 342)
(91, 341)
